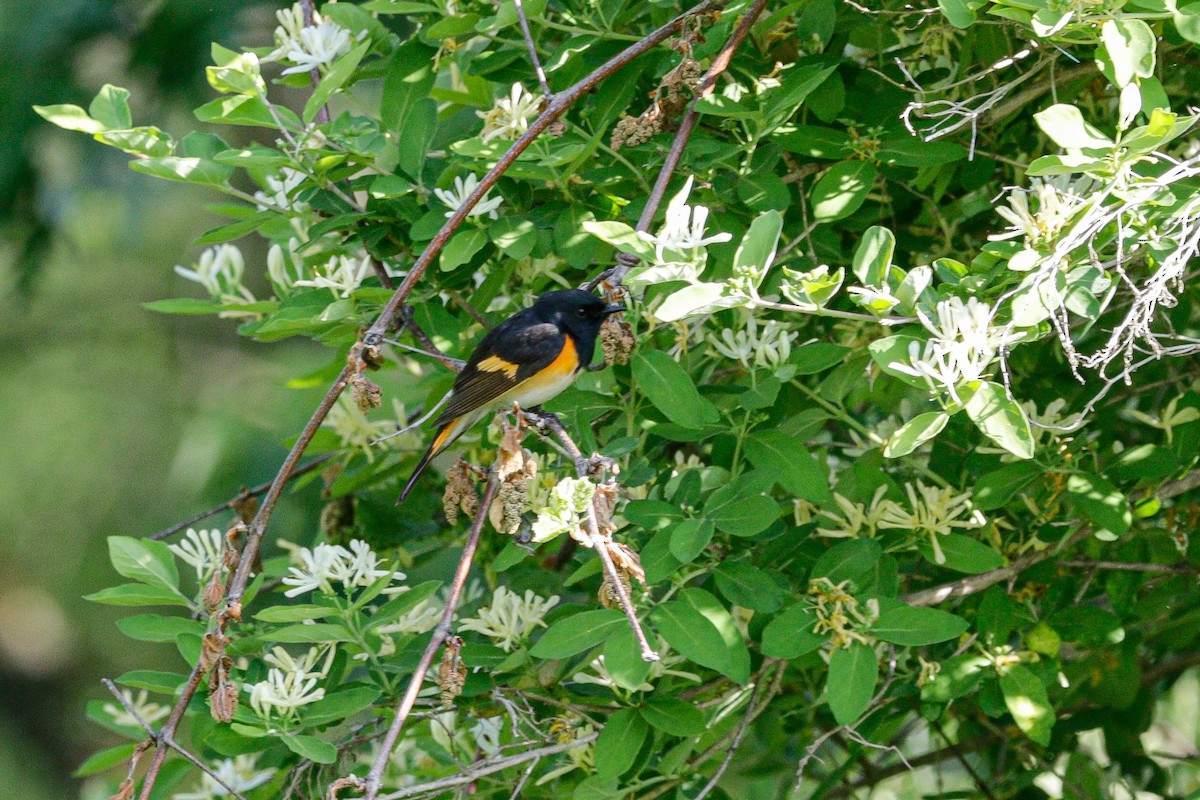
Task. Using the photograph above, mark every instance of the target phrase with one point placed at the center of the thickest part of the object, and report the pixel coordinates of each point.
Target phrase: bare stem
(440, 633)
(533, 56)
(315, 74)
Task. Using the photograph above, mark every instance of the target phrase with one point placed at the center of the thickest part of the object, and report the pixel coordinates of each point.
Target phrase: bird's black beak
(615, 308)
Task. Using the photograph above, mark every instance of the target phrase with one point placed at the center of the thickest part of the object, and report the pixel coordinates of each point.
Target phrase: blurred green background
(116, 420)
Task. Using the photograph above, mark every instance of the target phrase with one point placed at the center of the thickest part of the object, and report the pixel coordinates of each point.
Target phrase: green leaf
(623, 660)
(914, 433)
(409, 78)
(673, 716)
(309, 634)
(621, 236)
(137, 594)
(905, 625)
(873, 256)
(339, 705)
(333, 80)
(147, 141)
(110, 107)
(689, 538)
(235, 73)
(670, 389)
(748, 586)
(236, 230)
(816, 357)
(1187, 21)
(576, 633)
(144, 560)
(69, 117)
(791, 465)
(957, 12)
(310, 747)
(690, 634)
(619, 742)
(853, 672)
(761, 396)
(757, 248)
(462, 247)
(962, 554)
(1064, 124)
(104, 760)
(995, 489)
(698, 298)
(1000, 418)
(298, 613)
(738, 513)
(186, 170)
(1102, 504)
(1087, 625)
(1130, 46)
(153, 628)
(841, 190)
(848, 560)
(790, 635)
(1026, 699)
(244, 109)
(710, 608)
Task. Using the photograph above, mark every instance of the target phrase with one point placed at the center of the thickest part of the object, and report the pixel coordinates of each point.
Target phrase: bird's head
(578, 312)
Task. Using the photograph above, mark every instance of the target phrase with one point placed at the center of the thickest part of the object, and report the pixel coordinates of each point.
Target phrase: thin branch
(309, 14)
(484, 768)
(739, 734)
(440, 633)
(708, 82)
(161, 740)
(533, 56)
(598, 541)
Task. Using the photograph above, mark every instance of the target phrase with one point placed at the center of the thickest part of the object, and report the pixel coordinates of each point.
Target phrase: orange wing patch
(498, 364)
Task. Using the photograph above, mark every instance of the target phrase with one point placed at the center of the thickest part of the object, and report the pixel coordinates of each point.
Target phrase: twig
(309, 13)
(977, 583)
(483, 768)
(739, 734)
(231, 503)
(440, 633)
(533, 56)
(598, 541)
(431, 349)
(159, 739)
(381, 272)
(707, 83)
(1182, 569)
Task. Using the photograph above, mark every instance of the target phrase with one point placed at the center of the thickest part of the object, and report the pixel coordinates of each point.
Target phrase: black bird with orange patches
(527, 359)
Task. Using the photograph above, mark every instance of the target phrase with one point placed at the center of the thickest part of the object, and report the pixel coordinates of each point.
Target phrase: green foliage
(862, 386)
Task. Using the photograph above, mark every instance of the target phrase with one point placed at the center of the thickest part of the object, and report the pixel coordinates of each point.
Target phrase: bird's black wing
(510, 353)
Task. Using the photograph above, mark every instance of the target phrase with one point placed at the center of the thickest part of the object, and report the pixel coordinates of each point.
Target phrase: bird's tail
(448, 433)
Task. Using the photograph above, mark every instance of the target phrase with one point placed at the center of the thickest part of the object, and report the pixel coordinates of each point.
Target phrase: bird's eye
(581, 312)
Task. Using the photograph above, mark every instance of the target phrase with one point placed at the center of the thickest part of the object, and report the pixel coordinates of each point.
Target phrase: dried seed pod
(627, 560)
(223, 701)
(337, 519)
(365, 393)
(245, 505)
(608, 591)
(214, 592)
(616, 340)
(460, 494)
(452, 672)
(212, 650)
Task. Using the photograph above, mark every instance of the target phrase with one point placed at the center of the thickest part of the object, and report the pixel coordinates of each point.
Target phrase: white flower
(420, 618)
(220, 271)
(509, 117)
(202, 549)
(486, 732)
(237, 773)
(658, 669)
(566, 503)
(768, 348)
(510, 618)
(341, 275)
(935, 511)
(284, 692)
(683, 228)
(305, 665)
(1052, 420)
(962, 345)
(1058, 200)
(280, 187)
(453, 199)
(285, 268)
(317, 46)
(857, 521)
(149, 712)
(353, 428)
(326, 564)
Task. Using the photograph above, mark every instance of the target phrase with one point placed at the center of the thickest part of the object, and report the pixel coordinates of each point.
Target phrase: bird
(529, 358)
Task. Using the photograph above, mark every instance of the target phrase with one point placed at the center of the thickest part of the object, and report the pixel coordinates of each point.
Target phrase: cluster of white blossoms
(220, 270)
(683, 228)
(308, 47)
(327, 564)
(340, 275)
(148, 711)
(420, 618)
(291, 682)
(279, 189)
(935, 511)
(454, 198)
(768, 347)
(509, 117)
(285, 268)
(564, 509)
(961, 347)
(238, 773)
(202, 550)
(1059, 199)
(356, 431)
(510, 618)
(858, 521)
